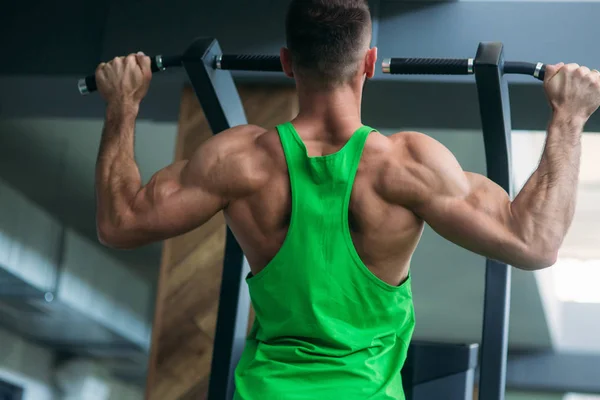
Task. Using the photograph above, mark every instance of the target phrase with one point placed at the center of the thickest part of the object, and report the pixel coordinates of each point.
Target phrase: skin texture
(404, 180)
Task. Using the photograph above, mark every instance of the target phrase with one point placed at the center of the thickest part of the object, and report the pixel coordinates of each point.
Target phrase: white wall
(27, 365)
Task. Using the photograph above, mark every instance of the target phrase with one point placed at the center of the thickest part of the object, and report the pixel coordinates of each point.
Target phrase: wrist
(568, 120)
(122, 110)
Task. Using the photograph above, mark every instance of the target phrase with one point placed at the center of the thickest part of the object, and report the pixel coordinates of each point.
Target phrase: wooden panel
(191, 267)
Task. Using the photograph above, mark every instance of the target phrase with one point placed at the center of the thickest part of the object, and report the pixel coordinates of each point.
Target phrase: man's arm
(181, 196)
(177, 198)
(475, 213)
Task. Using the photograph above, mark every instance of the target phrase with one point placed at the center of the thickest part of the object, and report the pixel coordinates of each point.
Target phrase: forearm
(117, 175)
(544, 208)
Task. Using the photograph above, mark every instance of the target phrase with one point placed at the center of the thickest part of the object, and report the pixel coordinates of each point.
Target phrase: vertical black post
(494, 107)
(223, 108)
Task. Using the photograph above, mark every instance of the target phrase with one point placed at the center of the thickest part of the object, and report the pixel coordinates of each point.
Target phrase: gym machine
(431, 370)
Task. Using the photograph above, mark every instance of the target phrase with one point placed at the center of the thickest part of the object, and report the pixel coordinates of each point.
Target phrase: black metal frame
(223, 109)
(222, 106)
(494, 108)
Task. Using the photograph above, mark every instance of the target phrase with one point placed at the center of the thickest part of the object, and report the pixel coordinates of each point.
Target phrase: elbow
(112, 235)
(537, 249)
(551, 258)
(540, 259)
(544, 261)
(107, 235)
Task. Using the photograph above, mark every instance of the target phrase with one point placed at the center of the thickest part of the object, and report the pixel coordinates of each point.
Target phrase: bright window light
(527, 147)
(577, 280)
(577, 396)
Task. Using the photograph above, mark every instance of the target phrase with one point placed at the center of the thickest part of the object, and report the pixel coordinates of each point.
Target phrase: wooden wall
(191, 266)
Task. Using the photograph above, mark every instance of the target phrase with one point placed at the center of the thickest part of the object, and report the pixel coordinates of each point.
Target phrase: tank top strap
(356, 146)
(293, 150)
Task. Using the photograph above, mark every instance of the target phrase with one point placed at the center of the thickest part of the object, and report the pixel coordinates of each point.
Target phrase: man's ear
(371, 62)
(286, 61)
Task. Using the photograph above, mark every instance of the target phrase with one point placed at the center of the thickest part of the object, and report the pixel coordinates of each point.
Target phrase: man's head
(328, 42)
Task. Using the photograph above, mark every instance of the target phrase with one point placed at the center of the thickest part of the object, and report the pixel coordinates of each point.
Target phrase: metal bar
(223, 108)
(248, 62)
(427, 66)
(454, 66)
(494, 107)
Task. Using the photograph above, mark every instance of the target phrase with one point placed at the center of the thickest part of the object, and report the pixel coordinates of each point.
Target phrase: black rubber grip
(429, 66)
(165, 62)
(249, 63)
(525, 68)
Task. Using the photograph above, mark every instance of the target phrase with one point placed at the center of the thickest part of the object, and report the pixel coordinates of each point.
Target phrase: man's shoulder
(244, 139)
(415, 146)
(411, 139)
(400, 146)
(244, 132)
(237, 145)
(253, 144)
(410, 158)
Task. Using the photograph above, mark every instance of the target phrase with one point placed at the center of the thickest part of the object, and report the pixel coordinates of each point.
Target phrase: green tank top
(326, 327)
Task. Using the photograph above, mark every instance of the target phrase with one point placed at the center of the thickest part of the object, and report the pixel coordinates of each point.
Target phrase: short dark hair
(327, 37)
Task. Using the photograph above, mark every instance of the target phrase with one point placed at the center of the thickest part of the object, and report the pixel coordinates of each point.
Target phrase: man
(329, 212)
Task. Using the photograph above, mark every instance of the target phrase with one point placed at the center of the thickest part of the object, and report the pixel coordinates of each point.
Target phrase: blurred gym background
(76, 318)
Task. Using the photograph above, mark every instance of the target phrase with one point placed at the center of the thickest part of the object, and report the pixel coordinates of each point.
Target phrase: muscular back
(402, 181)
(385, 235)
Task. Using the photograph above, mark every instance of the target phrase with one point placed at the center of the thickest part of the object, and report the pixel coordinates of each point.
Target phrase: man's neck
(335, 112)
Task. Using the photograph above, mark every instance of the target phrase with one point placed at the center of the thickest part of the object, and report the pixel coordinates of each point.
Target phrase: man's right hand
(572, 90)
(124, 81)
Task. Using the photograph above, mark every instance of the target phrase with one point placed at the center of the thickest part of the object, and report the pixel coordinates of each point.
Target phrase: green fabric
(326, 327)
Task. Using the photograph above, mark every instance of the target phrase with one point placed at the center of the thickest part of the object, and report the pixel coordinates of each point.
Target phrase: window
(577, 280)
(577, 271)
